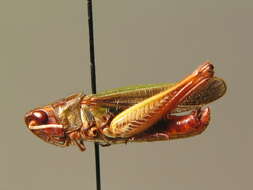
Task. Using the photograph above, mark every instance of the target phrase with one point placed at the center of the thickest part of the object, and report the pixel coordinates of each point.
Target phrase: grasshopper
(131, 114)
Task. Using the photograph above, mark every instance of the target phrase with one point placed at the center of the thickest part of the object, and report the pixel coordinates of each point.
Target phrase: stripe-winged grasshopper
(131, 114)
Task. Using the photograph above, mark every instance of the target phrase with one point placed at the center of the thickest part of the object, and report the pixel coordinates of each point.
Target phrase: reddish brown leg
(174, 127)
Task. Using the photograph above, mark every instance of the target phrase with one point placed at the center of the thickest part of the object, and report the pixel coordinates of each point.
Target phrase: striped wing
(123, 98)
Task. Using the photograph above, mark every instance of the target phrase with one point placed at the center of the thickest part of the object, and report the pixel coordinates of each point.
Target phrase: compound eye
(38, 117)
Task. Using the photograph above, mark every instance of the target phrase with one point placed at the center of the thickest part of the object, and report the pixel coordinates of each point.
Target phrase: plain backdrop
(44, 55)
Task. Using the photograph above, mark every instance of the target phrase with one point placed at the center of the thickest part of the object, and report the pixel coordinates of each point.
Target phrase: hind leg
(143, 115)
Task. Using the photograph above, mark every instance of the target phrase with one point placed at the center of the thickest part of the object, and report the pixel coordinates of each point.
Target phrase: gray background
(44, 56)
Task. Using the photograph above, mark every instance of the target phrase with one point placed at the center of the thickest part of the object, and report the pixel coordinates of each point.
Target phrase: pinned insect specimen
(131, 114)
